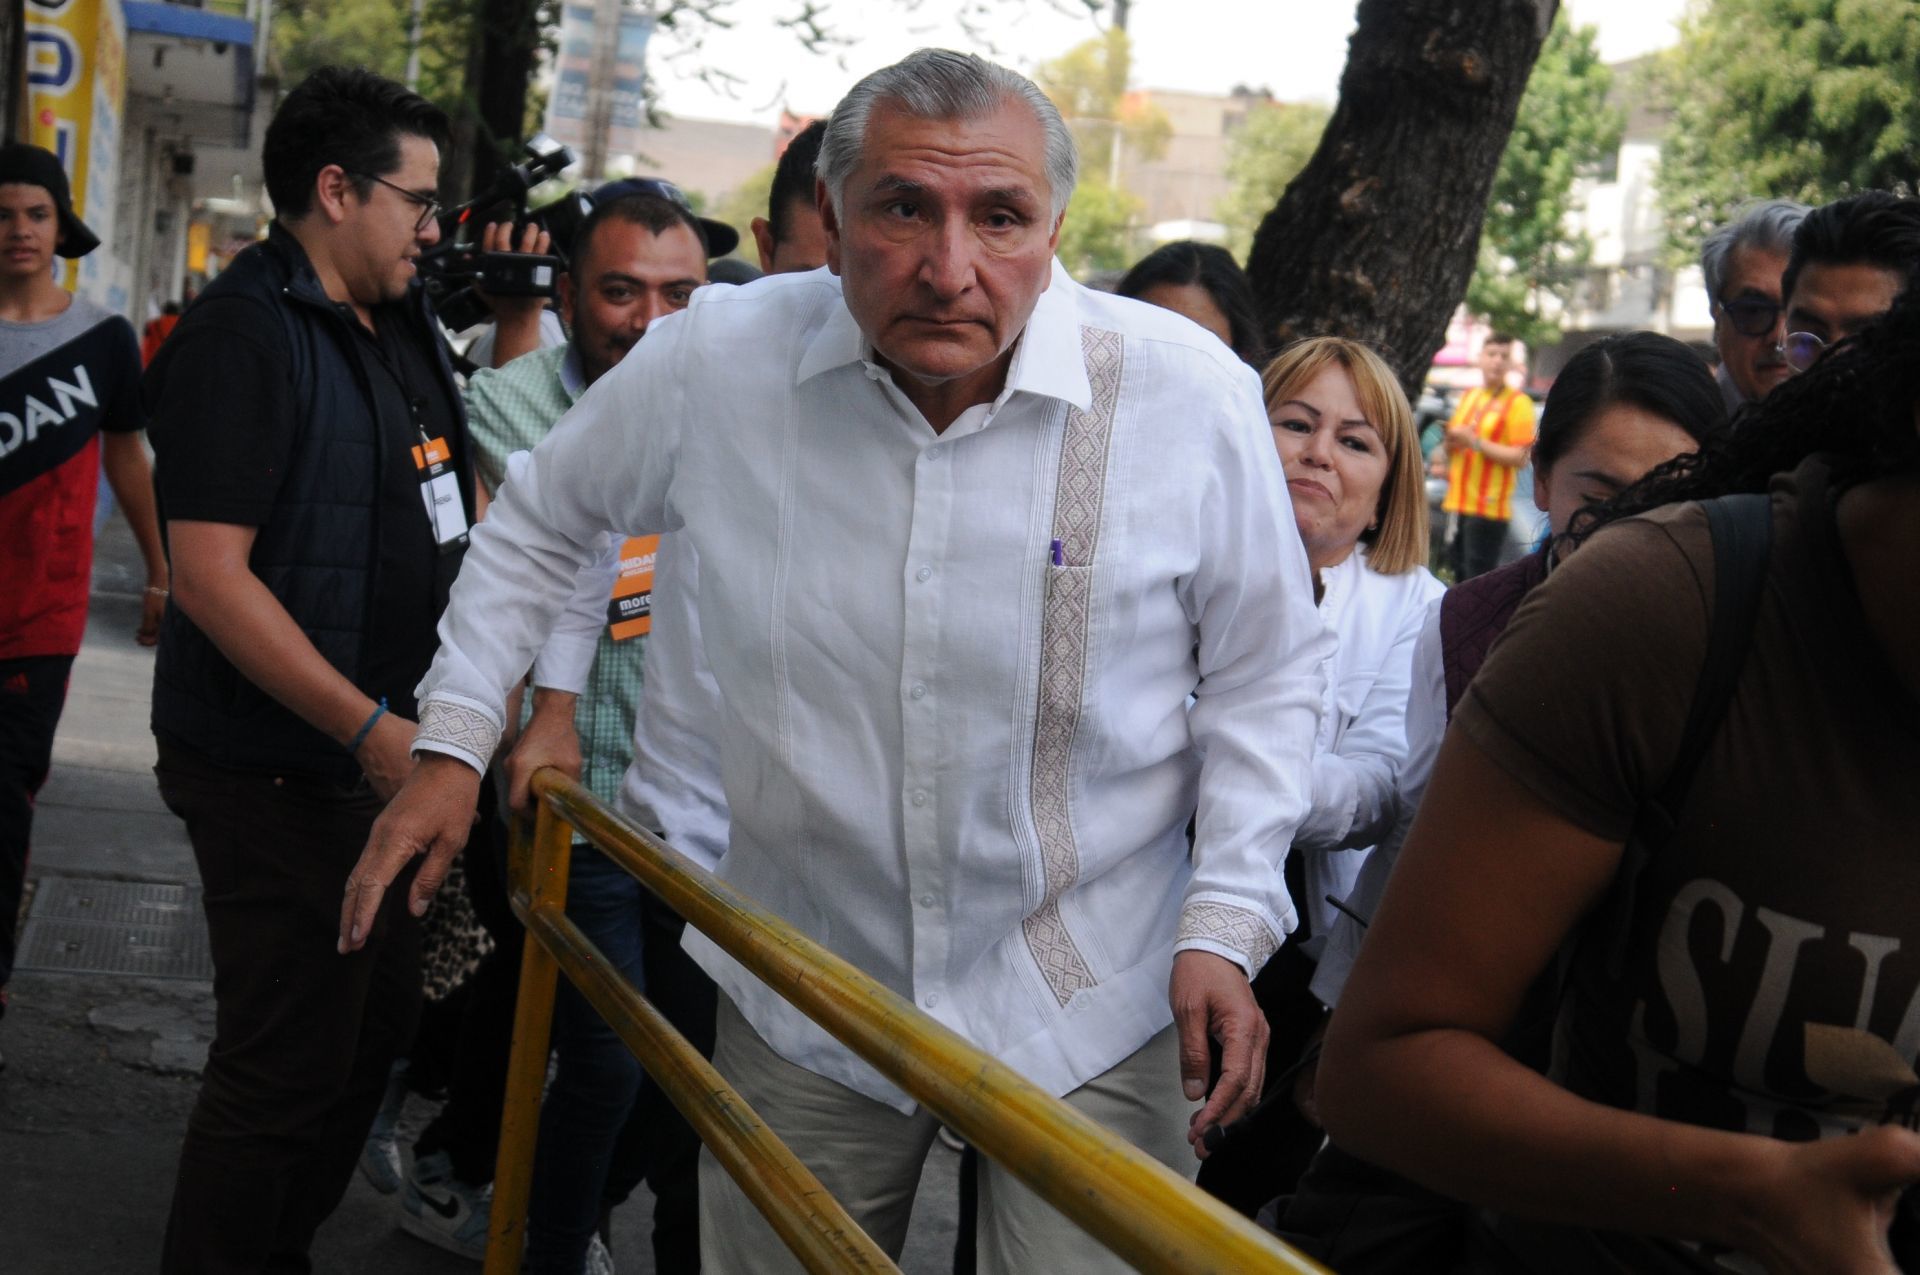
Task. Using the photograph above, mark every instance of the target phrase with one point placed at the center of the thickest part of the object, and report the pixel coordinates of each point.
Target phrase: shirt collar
(573, 375)
(1046, 359)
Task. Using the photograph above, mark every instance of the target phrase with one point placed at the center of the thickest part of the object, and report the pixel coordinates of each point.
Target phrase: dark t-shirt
(1772, 983)
(226, 465)
(415, 572)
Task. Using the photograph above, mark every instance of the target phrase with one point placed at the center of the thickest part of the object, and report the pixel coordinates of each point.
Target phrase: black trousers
(656, 1144)
(1476, 546)
(1267, 1151)
(33, 690)
(468, 1126)
(304, 1037)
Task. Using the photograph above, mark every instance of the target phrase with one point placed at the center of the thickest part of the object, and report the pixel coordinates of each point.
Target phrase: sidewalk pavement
(102, 1068)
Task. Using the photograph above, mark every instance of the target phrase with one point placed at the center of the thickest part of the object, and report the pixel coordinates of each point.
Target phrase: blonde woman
(1353, 468)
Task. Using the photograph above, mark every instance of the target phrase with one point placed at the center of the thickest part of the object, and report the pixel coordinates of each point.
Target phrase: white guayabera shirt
(954, 669)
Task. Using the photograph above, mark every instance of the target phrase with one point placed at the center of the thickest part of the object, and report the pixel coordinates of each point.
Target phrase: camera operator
(314, 479)
(521, 322)
(524, 323)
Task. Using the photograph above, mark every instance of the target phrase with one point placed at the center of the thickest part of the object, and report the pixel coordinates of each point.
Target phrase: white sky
(1296, 48)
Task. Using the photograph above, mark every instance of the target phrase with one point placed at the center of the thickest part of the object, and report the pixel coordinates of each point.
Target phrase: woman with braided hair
(1748, 993)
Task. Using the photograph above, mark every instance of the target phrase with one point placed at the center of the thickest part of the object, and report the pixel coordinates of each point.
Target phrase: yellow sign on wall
(76, 93)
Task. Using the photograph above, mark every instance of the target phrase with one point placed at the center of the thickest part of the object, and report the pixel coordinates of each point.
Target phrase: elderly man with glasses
(1743, 262)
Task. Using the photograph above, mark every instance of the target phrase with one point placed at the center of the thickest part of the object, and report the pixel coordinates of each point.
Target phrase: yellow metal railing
(1121, 1196)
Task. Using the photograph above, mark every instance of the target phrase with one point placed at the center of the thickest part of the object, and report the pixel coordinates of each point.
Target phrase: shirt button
(926, 900)
(923, 574)
(931, 999)
(919, 691)
(933, 452)
(919, 797)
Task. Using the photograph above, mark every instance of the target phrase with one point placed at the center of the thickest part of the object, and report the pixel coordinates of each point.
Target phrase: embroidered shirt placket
(1079, 497)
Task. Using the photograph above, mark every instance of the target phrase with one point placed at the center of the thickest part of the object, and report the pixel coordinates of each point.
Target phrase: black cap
(721, 238)
(37, 166)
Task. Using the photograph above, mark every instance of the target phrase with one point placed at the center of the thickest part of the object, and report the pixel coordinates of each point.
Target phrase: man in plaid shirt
(637, 258)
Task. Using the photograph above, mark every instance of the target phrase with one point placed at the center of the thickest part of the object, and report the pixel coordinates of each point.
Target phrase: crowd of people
(1067, 661)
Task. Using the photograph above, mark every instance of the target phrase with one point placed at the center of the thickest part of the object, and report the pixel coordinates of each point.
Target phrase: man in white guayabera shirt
(973, 537)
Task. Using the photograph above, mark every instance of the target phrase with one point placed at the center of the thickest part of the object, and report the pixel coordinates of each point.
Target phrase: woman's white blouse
(1362, 742)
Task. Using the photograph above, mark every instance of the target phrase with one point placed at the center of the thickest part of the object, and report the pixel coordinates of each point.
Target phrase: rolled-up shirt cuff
(1231, 928)
(565, 661)
(458, 727)
(1330, 816)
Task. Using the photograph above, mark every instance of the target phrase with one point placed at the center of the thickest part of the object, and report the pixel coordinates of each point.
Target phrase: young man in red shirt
(69, 406)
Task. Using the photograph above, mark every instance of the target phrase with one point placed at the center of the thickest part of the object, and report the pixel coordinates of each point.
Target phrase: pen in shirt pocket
(1058, 554)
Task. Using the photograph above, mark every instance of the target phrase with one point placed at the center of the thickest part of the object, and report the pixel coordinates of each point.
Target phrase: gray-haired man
(1743, 262)
(984, 533)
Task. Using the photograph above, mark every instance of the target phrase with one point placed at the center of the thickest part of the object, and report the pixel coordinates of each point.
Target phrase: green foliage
(739, 206)
(1088, 84)
(1267, 152)
(1530, 260)
(308, 34)
(1797, 99)
(1096, 235)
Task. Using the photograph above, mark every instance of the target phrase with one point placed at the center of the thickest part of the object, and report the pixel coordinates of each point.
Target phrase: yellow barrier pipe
(804, 1213)
(545, 885)
(1136, 1206)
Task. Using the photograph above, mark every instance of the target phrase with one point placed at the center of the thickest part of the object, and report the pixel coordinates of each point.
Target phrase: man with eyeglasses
(1851, 259)
(315, 483)
(1743, 262)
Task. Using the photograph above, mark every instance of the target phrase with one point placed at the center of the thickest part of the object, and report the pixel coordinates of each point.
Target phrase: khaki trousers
(869, 1156)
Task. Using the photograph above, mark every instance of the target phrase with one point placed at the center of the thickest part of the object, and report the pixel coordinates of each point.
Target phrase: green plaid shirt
(509, 409)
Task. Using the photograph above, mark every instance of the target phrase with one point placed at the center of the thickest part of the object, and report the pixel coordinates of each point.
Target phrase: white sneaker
(380, 1158)
(444, 1211)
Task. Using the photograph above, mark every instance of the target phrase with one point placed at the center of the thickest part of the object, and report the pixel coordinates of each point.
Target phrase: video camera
(452, 270)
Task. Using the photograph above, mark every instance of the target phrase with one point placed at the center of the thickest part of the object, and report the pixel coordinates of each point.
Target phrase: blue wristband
(366, 727)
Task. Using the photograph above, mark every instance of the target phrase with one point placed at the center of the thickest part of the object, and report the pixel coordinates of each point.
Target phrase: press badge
(630, 609)
(440, 489)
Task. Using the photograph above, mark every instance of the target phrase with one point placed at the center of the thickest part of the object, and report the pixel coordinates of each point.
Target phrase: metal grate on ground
(85, 925)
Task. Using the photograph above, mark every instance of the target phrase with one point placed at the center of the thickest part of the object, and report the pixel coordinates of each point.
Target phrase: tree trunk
(1377, 237)
(509, 34)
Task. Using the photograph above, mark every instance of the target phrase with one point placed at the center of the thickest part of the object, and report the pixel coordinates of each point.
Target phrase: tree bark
(1377, 237)
(509, 35)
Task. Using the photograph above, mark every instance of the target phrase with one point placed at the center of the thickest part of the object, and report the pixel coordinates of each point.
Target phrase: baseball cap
(721, 238)
(36, 166)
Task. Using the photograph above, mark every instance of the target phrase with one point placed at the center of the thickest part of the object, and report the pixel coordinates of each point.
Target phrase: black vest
(318, 553)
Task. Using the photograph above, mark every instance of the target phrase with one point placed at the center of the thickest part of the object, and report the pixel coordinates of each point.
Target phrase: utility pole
(1121, 10)
(600, 76)
(413, 45)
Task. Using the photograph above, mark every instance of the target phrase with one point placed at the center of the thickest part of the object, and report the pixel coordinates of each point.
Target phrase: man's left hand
(153, 605)
(1212, 998)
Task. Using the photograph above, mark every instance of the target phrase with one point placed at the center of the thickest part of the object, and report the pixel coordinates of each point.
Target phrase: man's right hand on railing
(431, 815)
(550, 739)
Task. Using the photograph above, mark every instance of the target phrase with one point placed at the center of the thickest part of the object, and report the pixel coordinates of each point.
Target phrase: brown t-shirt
(1772, 976)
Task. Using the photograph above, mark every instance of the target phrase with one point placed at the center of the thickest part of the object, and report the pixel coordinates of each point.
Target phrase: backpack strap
(1741, 526)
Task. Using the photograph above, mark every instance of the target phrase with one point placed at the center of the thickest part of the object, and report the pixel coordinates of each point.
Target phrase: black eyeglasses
(429, 207)
(1752, 316)
(1802, 350)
